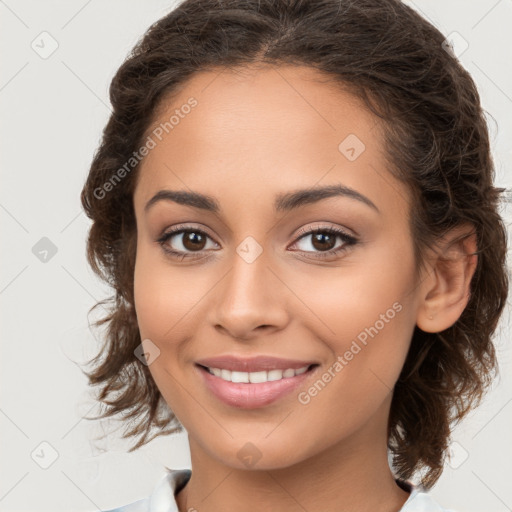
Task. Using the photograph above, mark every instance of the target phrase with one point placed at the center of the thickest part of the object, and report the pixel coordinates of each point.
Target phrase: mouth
(256, 389)
(256, 377)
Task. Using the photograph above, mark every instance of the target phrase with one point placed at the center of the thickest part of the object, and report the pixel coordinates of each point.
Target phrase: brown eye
(323, 241)
(193, 240)
(185, 242)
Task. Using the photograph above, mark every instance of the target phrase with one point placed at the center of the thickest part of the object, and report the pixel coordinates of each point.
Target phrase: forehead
(260, 131)
(260, 104)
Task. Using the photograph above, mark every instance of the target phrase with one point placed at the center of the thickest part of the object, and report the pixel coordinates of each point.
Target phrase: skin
(255, 134)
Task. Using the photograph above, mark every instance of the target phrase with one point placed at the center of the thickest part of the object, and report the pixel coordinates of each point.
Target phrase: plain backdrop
(57, 62)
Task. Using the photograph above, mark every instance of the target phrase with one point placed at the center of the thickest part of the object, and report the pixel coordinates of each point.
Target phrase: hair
(436, 142)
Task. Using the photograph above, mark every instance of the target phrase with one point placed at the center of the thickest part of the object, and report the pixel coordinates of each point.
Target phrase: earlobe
(445, 292)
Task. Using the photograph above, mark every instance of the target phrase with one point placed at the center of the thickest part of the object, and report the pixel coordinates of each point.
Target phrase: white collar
(163, 497)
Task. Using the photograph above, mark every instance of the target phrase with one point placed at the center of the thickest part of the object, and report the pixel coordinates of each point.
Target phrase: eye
(323, 241)
(182, 242)
(185, 239)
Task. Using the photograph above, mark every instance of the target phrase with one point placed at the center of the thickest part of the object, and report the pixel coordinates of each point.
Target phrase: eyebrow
(283, 202)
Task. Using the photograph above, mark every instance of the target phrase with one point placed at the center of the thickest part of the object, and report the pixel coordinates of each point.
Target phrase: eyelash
(303, 233)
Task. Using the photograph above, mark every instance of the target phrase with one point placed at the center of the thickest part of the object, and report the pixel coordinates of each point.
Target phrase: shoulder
(162, 497)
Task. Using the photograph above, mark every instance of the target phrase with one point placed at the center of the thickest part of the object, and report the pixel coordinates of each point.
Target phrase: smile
(251, 390)
(256, 377)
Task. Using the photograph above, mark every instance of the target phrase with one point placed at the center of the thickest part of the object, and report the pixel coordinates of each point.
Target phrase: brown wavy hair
(437, 143)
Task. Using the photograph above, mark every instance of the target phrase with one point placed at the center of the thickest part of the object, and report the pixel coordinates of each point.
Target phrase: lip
(253, 364)
(252, 395)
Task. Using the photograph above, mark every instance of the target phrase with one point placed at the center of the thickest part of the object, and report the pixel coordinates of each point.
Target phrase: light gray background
(52, 113)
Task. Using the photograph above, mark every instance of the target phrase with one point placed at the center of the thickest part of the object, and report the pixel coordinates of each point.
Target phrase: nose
(250, 300)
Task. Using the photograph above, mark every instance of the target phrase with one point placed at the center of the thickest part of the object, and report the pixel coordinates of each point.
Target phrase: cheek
(163, 299)
(151, 293)
(163, 294)
(369, 349)
(367, 298)
(367, 320)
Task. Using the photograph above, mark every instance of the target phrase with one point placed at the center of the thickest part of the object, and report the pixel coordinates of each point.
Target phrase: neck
(352, 475)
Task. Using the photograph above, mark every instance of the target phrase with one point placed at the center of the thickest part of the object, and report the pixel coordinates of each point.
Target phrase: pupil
(193, 240)
(319, 241)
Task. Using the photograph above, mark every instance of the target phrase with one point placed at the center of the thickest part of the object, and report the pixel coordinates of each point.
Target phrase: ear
(445, 292)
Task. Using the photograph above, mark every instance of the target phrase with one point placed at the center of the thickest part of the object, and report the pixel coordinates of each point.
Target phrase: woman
(294, 203)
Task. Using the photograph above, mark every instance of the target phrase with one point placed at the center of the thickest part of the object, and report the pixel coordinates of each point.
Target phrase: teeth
(256, 377)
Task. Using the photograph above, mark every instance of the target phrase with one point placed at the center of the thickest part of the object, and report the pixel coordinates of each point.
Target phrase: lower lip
(251, 396)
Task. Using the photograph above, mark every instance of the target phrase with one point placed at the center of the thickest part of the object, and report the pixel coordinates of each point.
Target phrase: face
(257, 268)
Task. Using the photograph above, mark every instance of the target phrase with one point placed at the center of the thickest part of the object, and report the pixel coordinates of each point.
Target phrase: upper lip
(252, 364)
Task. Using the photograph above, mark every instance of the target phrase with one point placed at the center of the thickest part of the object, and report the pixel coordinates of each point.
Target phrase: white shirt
(163, 497)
